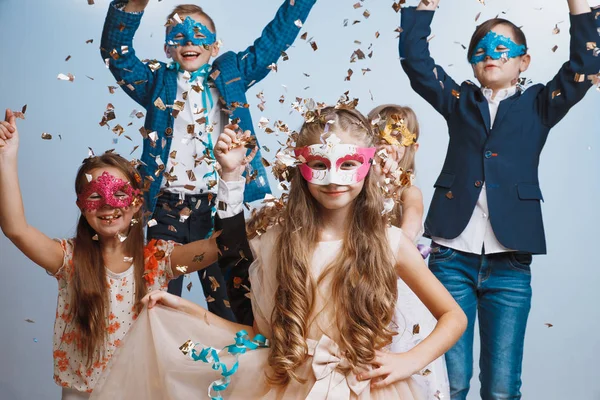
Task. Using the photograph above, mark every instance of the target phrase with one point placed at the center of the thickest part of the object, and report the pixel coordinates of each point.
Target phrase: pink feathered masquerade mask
(107, 190)
(329, 163)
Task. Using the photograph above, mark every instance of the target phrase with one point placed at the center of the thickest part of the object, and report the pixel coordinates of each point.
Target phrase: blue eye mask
(489, 44)
(190, 29)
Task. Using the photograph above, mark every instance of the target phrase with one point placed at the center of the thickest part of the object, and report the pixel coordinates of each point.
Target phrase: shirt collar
(502, 94)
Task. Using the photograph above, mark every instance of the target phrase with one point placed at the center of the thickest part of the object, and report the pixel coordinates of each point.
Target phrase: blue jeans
(498, 288)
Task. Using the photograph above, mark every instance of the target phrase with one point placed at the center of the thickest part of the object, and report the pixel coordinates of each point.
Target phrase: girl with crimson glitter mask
(104, 272)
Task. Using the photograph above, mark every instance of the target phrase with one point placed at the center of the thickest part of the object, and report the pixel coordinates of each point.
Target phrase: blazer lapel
(484, 110)
(504, 106)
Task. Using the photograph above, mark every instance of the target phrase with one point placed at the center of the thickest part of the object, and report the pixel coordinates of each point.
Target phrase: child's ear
(214, 49)
(167, 51)
(525, 61)
(416, 147)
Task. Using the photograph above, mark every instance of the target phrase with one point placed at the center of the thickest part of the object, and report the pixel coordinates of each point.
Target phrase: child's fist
(136, 5)
(9, 135)
(230, 151)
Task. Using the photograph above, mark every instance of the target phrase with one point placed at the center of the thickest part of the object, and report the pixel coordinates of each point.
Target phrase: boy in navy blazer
(485, 218)
(185, 101)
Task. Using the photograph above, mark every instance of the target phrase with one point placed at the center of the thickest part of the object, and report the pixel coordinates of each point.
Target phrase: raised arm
(117, 47)
(194, 256)
(235, 255)
(277, 36)
(412, 213)
(577, 7)
(429, 80)
(38, 247)
(573, 81)
(450, 326)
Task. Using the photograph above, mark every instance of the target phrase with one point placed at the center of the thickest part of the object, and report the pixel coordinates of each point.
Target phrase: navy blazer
(506, 155)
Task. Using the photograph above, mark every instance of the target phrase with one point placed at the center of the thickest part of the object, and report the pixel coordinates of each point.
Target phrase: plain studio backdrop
(38, 36)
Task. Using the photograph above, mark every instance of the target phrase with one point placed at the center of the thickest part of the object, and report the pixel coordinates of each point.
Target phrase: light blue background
(37, 35)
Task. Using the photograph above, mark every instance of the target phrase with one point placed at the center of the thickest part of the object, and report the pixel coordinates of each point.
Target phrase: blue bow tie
(201, 72)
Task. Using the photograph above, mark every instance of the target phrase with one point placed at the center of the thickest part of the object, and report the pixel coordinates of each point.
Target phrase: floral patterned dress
(70, 370)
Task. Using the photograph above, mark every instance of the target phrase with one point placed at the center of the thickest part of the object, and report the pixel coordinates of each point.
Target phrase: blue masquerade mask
(190, 29)
(490, 42)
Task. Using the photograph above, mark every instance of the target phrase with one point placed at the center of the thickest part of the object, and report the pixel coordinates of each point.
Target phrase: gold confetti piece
(187, 347)
(449, 195)
(210, 299)
(430, 38)
(189, 286)
(298, 23)
(456, 93)
(366, 14)
(91, 2)
(227, 304)
(590, 45)
(438, 395)
(579, 78)
(314, 46)
(556, 30)
(396, 6)
(272, 67)
(127, 259)
(118, 130)
(198, 258)
(549, 325)
(152, 223)
(556, 93)
(89, 41)
(206, 318)
(416, 329)
(46, 136)
(555, 48)
(182, 268)
(350, 72)
(68, 77)
(158, 103)
(95, 237)
(477, 16)
(30, 321)
(426, 372)
(122, 237)
(304, 36)
(68, 58)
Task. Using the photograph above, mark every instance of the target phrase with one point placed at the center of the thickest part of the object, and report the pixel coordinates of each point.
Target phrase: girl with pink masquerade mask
(103, 272)
(323, 286)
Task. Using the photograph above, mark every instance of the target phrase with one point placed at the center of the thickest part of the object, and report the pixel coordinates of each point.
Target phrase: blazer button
(488, 154)
(478, 184)
(169, 131)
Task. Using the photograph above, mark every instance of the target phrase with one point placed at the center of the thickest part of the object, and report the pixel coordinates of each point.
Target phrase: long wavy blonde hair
(363, 275)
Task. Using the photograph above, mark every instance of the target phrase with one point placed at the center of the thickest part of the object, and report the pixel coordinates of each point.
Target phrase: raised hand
(230, 151)
(136, 5)
(9, 135)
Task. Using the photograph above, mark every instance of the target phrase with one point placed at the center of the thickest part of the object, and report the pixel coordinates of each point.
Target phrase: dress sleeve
(157, 263)
(65, 272)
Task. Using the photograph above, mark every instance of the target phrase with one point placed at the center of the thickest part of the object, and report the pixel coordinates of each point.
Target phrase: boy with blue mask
(485, 217)
(185, 101)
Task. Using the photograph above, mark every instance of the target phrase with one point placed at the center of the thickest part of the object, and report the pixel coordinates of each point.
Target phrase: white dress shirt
(186, 148)
(478, 236)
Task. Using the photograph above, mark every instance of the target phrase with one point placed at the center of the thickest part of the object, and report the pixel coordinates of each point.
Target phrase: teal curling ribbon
(207, 104)
(210, 355)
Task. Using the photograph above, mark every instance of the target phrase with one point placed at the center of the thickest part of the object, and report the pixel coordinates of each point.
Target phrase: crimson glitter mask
(334, 163)
(106, 190)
